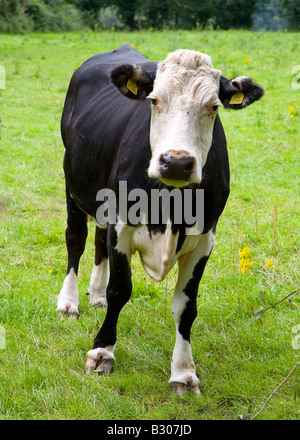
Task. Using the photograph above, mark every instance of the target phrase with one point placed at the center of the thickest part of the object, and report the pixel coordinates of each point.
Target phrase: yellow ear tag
(131, 85)
(237, 98)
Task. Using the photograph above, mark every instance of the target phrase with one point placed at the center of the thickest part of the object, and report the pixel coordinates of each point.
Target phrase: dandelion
(50, 271)
(269, 264)
(293, 110)
(112, 28)
(151, 29)
(246, 60)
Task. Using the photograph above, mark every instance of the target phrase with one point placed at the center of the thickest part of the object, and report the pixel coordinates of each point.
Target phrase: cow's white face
(184, 106)
(185, 91)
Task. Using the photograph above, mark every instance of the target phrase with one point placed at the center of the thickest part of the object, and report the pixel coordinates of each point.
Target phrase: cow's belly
(158, 251)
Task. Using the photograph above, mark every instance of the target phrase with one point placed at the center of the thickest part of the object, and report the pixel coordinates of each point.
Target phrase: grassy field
(241, 356)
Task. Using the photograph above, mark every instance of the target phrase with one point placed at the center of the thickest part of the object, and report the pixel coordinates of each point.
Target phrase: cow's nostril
(189, 165)
(162, 159)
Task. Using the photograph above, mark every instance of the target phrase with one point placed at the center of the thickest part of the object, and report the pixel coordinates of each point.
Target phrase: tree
(234, 14)
(292, 13)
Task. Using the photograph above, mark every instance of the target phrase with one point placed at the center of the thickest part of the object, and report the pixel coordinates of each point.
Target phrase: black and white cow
(168, 135)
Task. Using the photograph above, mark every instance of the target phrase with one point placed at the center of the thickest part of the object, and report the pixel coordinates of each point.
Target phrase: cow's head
(185, 93)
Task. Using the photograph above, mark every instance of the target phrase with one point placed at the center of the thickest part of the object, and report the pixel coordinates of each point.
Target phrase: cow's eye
(154, 102)
(215, 108)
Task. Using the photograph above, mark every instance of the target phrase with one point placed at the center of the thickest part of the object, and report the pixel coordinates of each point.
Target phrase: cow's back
(102, 130)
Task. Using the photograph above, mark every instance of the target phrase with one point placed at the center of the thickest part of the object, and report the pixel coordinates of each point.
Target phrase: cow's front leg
(101, 358)
(184, 309)
(76, 233)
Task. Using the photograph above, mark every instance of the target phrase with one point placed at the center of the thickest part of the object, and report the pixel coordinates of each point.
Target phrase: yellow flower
(246, 60)
(245, 264)
(112, 28)
(292, 116)
(245, 252)
(50, 271)
(151, 29)
(269, 263)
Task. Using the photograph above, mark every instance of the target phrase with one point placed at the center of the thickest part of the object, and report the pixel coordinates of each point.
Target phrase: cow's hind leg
(76, 233)
(184, 309)
(101, 358)
(99, 277)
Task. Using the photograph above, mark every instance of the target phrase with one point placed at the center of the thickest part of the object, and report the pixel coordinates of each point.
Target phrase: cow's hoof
(97, 362)
(68, 310)
(96, 299)
(100, 302)
(181, 388)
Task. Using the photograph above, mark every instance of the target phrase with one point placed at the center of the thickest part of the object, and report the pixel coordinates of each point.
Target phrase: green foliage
(35, 15)
(109, 17)
(21, 16)
(292, 13)
(54, 16)
(13, 18)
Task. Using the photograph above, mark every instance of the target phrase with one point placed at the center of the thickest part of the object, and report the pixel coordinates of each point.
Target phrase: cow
(153, 125)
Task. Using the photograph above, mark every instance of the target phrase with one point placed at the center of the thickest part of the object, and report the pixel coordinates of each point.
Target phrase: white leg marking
(182, 366)
(68, 299)
(98, 284)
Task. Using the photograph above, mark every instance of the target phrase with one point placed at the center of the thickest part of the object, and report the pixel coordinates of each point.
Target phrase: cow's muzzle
(176, 165)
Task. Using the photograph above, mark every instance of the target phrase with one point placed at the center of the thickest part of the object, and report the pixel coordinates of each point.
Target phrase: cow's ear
(239, 92)
(133, 81)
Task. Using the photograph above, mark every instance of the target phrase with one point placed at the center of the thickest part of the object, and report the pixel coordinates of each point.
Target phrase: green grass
(240, 359)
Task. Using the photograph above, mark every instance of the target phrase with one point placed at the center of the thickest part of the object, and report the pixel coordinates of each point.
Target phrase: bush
(59, 18)
(110, 18)
(13, 18)
(35, 15)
